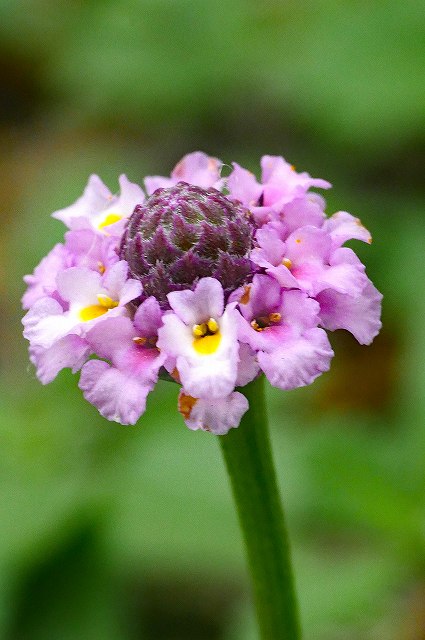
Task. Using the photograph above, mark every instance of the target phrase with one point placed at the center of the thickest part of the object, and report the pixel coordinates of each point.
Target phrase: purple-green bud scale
(184, 233)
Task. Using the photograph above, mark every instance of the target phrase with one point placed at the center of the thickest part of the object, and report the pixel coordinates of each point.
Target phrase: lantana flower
(99, 209)
(206, 281)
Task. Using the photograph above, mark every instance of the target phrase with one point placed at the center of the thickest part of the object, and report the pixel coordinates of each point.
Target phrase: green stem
(249, 462)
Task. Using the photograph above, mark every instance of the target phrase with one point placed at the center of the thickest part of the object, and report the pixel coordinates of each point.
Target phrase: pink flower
(99, 209)
(83, 248)
(307, 260)
(119, 389)
(195, 168)
(86, 297)
(202, 337)
(282, 327)
(280, 185)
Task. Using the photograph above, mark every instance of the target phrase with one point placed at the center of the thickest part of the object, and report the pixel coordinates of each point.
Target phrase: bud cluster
(183, 233)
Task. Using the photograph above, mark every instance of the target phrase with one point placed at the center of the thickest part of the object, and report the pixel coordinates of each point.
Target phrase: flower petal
(243, 186)
(195, 168)
(298, 362)
(194, 307)
(342, 226)
(42, 282)
(199, 169)
(45, 323)
(79, 285)
(306, 211)
(360, 315)
(117, 396)
(217, 416)
(248, 367)
(70, 351)
(148, 318)
(93, 200)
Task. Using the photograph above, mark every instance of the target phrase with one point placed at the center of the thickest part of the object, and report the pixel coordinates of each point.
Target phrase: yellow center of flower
(110, 219)
(96, 310)
(207, 337)
(141, 341)
(263, 322)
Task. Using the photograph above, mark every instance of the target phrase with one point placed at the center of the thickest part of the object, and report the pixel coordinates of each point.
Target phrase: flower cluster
(204, 280)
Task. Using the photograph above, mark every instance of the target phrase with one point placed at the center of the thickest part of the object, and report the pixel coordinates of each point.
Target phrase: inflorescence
(204, 280)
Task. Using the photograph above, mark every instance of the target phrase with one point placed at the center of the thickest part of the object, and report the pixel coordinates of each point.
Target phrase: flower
(205, 281)
(98, 209)
(202, 337)
(119, 389)
(195, 168)
(280, 325)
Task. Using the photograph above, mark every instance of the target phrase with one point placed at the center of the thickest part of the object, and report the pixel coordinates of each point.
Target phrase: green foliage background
(125, 533)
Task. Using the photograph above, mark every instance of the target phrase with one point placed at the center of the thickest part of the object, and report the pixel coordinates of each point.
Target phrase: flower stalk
(250, 466)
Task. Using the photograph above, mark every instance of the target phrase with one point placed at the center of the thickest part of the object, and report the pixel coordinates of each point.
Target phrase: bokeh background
(118, 533)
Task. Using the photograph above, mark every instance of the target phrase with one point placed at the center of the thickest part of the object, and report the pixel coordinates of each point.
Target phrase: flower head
(206, 281)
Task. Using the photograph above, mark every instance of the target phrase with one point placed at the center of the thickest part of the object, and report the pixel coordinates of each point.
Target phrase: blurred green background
(118, 533)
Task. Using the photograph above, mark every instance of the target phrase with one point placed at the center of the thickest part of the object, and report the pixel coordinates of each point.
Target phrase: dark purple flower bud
(184, 233)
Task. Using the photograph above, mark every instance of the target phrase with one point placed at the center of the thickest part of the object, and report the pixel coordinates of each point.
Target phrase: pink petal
(79, 285)
(195, 168)
(130, 196)
(248, 367)
(243, 186)
(264, 296)
(214, 375)
(90, 249)
(194, 307)
(298, 362)
(70, 351)
(199, 169)
(95, 196)
(308, 244)
(217, 416)
(271, 244)
(175, 337)
(360, 315)
(42, 282)
(342, 226)
(117, 396)
(111, 336)
(45, 323)
(283, 276)
(301, 212)
(148, 318)
(152, 183)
